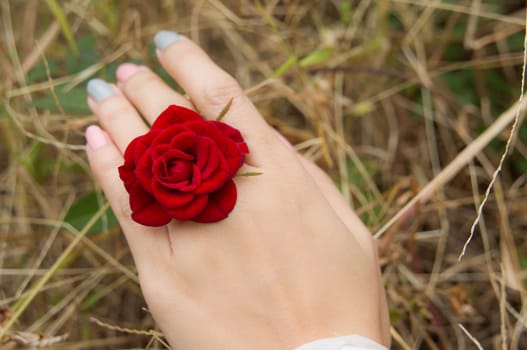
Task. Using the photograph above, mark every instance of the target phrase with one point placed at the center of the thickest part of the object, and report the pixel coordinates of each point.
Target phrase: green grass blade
(287, 65)
(316, 57)
(64, 25)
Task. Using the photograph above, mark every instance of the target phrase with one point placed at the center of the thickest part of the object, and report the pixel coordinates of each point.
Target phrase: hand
(291, 264)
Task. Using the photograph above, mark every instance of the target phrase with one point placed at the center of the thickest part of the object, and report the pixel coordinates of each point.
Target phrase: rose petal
(165, 136)
(233, 134)
(207, 156)
(186, 178)
(170, 198)
(144, 143)
(194, 183)
(208, 130)
(160, 150)
(126, 173)
(233, 156)
(229, 131)
(172, 169)
(143, 170)
(175, 115)
(152, 215)
(139, 198)
(203, 145)
(129, 158)
(178, 169)
(216, 179)
(184, 141)
(220, 204)
(232, 152)
(242, 146)
(145, 209)
(190, 211)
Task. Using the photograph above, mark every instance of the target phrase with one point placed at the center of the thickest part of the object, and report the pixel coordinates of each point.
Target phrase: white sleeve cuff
(350, 342)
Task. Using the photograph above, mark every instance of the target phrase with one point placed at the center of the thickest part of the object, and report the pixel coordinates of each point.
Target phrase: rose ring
(183, 169)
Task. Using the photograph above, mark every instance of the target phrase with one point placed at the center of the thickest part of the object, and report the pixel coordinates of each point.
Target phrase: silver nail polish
(99, 90)
(165, 38)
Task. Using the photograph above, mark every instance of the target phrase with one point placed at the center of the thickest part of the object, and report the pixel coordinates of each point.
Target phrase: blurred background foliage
(381, 94)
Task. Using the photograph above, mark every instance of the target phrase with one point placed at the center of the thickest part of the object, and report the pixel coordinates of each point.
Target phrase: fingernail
(165, 38)
(95, 137)
(125, 71)
(99, 90)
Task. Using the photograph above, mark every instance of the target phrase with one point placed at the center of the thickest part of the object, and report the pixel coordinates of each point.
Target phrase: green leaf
(316, 57)
(39, 71)
(462, 84)
(71, 102)
(515, 42)
(88, 55)
(522, 166)
(84, 209)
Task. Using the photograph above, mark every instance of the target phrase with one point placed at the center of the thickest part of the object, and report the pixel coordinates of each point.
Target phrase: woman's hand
(292, 263)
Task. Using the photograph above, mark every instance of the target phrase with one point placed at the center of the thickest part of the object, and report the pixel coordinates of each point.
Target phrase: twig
(503, 298)
(150, 332)
(505, 152)
(40, 46)
(462, 159)
(463, 9)
(470, 336)
(52, 270)
(153, 333)
(361, 69)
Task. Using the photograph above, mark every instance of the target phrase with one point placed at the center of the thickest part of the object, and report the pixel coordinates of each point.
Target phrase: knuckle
(106, 164)
(141, 81)
(114, 109)
(122, 208)
(219, 94)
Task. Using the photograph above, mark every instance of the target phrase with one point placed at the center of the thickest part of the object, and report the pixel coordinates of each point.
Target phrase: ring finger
(147, 92)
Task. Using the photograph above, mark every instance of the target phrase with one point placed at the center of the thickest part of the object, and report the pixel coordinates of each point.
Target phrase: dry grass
(384, 95)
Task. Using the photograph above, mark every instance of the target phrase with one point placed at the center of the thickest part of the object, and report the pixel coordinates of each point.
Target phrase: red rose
(182, 169)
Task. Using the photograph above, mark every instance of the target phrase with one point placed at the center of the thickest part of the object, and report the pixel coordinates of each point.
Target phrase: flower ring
(182, 168)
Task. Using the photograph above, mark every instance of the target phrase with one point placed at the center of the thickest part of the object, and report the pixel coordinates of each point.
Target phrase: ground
(383, 95)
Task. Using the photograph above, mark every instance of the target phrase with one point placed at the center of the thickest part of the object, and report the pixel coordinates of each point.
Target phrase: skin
(291, 264)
